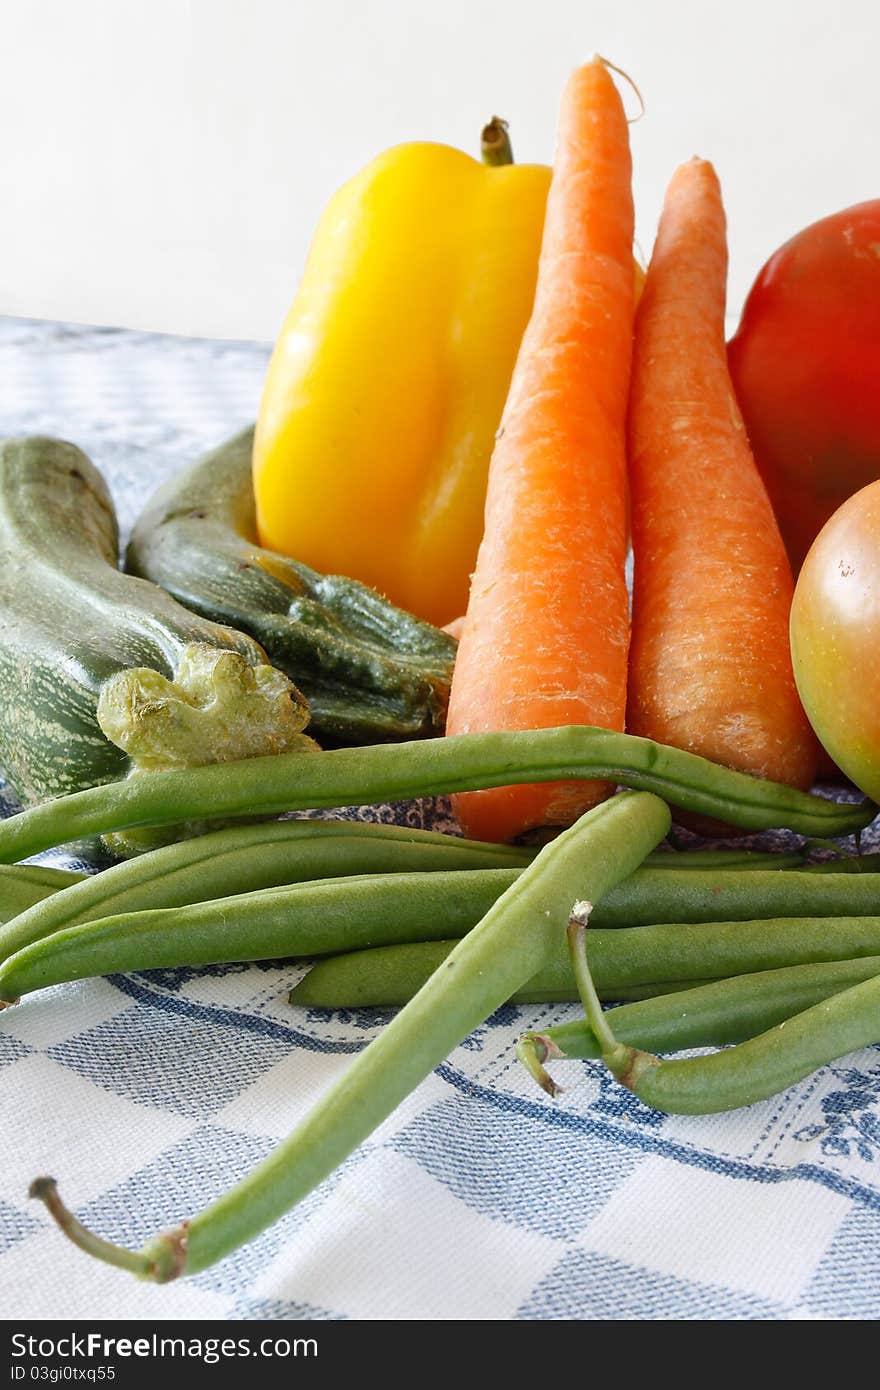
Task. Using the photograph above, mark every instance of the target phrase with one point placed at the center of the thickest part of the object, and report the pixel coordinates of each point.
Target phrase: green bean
(846, 864)
(653, 896)
(632, 957)
(388, 976)
(22, 885)
(726, 859)
(393, 772)
(710, 1015)
(509, 945)
(662, 895)
(246, 858)
(761, 859)
(742, 1075)
(619, 993)
(305, 919)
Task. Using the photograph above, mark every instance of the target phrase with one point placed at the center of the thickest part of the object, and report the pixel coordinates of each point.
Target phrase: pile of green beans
(247, 858)
(395, 772)
(115, 922)
(511, 942)
(250, 857)
(306, 919)
(710, 1015)
(837, 1021)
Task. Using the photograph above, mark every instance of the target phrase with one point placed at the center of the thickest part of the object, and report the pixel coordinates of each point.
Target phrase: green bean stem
(709, 1015)
(509, 945)
(246, 858)
(760, 1067)
(393, 772)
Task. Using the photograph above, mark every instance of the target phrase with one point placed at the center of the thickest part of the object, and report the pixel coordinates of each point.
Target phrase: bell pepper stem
(495, 146)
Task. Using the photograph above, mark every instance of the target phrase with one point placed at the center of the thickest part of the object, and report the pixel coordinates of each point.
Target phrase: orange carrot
(547, 626)
(710, 667)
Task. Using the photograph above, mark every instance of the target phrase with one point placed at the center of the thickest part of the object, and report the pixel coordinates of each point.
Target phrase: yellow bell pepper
(387, 383)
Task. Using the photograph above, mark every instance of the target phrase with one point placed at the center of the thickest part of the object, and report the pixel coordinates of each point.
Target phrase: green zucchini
(370, 672)
(102, 674)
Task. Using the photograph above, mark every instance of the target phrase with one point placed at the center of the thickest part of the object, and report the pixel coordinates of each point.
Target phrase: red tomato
(805, 363)
(835, 638)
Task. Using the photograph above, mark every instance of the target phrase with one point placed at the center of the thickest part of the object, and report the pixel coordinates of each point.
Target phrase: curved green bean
(513, 939)
(765, 1065)
(710, 1015)
(394, 772)
(246, 858)
(742, 1075)
(634, 957)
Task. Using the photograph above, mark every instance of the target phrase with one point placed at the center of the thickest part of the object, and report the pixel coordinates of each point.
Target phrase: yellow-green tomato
(835, 638)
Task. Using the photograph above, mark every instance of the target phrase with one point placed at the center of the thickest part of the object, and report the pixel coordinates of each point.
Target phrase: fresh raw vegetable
(693, 895)
(725, 859)
(76, 709)
(510, 943)
(23, 885)
(835, 636)
(547, 626)
(305, 919)
(247, 859)
(369, 671)
(394, 772)
(742, 1075)
(386, 385)
(805, 363)
(415, 893)
(711, 1015)
(668, 954)
(710, 667)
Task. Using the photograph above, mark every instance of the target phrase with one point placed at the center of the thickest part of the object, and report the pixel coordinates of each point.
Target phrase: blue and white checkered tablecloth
(148, 1095)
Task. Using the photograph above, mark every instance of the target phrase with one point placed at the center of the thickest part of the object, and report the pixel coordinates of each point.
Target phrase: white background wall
(162, 162)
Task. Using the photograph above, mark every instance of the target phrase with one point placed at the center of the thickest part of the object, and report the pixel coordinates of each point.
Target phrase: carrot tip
(606, 62)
